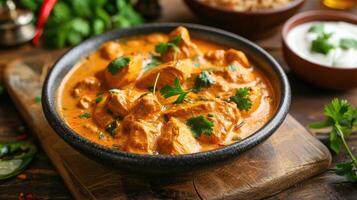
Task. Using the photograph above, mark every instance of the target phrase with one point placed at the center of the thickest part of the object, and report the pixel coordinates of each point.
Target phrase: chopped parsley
(168, 91)
(101, 135)
(117, 64)
(114, 91)
(232, 68)
(85, 115)
(99, 98)
(241, 98)
(321, 44)
(162, 47)
(153, 63)
(200, 125)
(37, 99)
(348, 43)
(317, 28)
(111, 128)
(203, 80)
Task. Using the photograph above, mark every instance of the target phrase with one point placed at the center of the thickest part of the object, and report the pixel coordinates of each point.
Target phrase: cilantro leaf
(317, 28)
(348, 43)
(342, 116)
(85, 115)
(321, 44)
(162, 47)
(200, 125)
(117, 64)
(114, 91)
(111, 128)
(37, 99)
(241, 98)
(203, 80)
(169, 91)
(346, 169)
(153, 63)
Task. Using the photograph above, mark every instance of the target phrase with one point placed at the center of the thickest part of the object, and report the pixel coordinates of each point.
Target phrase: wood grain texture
(289, 156)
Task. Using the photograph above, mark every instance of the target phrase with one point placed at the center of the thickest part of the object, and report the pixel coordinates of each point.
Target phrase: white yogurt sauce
(299, 40)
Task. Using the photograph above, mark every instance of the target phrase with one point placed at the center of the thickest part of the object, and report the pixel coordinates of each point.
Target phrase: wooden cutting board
(289, 156)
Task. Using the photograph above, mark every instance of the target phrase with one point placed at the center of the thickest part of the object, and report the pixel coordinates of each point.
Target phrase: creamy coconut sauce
(300, 39)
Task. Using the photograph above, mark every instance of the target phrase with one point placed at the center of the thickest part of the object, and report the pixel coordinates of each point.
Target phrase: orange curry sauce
(119, 109)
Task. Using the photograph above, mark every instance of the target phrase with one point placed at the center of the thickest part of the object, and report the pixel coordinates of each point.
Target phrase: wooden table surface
(44, 182)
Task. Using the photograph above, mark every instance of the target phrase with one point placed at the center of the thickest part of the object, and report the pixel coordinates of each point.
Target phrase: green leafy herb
(202, 80)
(99, 98)
(241, 98)
(14, 157)
(321, 44)
(37, 99)
(111, 128)
(232, 68)
(118, 64)
(168, 91)
(70, 22)
(200, 125)
(162, 47)
(114, 91)
(153, 63)
(342, 117)
(85, 115)
(317, 28)
(348, 43)
(101, 135)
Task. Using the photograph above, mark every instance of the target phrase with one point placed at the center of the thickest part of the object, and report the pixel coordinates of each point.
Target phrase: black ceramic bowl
(165, 164)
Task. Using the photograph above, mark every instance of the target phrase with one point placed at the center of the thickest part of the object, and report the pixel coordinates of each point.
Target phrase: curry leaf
(200, 125)
(118, 64)
(241, 98)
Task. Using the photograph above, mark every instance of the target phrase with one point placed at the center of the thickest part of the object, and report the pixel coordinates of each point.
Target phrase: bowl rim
(76, 140)
(286, 7)
(327, 15)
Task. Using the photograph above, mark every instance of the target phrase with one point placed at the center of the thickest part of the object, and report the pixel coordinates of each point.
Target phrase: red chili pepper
(45, 11)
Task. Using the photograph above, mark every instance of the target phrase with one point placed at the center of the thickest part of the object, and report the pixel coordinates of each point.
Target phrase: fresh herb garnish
(200, 125)
(232, 68)
(37, 99)
(99, 98)
(117, 64)
(202, 80)
(162, 47)
(101, 135)
(348, 43)
(241, 98)
(342, 117)
(317, 28)
(85, 115)
(153, 63)
(111, 128)
(321, 44)
(168, 91)
(114, 91)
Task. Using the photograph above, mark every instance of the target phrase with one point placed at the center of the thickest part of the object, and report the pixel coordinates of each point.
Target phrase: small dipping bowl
(317, 74)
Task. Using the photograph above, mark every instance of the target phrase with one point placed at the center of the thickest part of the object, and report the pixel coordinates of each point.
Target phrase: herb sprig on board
(341, 116)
